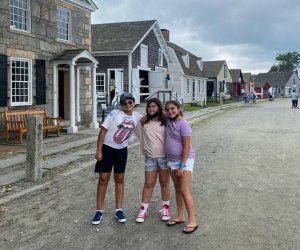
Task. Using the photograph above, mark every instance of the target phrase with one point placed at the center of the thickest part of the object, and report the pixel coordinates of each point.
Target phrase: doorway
(61, 94)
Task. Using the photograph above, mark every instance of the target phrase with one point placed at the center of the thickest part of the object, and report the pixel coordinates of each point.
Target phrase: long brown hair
(161, 115)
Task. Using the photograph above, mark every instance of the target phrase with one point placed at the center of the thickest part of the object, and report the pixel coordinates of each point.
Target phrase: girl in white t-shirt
(152, 141)
(111, 152)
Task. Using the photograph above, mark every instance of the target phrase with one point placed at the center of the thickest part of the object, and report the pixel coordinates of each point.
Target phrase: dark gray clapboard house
(133, 57)
(45, 59)
(282, 83)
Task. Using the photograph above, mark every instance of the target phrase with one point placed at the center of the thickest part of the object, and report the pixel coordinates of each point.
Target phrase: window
(225, 71)
(160, 57)
(21, 81)
(20, 14)
(100, 83)
(186, 60)
(63, 23)
(188, 86)
(144, 55)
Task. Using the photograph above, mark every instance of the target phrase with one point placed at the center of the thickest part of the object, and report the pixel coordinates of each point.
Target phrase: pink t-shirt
(152, 138)
(174, 146)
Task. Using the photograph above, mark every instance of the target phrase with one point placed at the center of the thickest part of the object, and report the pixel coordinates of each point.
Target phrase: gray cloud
(247, 34)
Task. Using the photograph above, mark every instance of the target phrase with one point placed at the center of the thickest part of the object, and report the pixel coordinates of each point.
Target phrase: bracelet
(181, 165)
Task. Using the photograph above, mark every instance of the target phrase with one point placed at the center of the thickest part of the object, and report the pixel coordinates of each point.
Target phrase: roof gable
(275, 79)
(236, 75)
(247, 77)
(125, 36)
(192, 69)
(85, 4)
(212, 68)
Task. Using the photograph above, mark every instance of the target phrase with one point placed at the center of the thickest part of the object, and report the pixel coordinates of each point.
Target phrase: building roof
(193, 69)
(274, 79)
(247, 77)
(75, 55)
(118, 36)
(212, 68)
(85, 4)
(236, 75)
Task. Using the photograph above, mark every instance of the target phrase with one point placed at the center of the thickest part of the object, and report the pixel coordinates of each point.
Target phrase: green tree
(286, 61)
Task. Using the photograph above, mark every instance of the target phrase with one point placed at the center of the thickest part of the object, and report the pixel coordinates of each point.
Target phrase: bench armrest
(52, 119)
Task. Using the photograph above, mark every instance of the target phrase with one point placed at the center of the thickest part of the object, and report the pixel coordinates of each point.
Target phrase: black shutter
(3, 80)
(40, 69)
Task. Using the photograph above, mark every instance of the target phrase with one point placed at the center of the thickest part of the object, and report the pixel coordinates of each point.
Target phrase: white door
(135, 81)
(156, 81)
(118, 81)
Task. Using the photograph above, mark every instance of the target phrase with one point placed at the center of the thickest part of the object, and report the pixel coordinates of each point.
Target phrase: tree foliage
(286, 61)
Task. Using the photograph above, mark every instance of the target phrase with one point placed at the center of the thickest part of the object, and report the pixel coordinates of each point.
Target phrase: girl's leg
(188, 199)
(119, 189)
(164, 181)
(150, 181)
(179, 199)
(101, 189)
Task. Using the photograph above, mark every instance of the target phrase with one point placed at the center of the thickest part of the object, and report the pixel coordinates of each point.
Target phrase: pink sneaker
(142, 215)
(165, 212)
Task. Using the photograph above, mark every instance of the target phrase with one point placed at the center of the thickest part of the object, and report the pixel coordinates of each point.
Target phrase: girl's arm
(101, 136)
(186, 141)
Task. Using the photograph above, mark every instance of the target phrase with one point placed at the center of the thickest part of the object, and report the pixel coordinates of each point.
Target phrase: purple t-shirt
(174, 132)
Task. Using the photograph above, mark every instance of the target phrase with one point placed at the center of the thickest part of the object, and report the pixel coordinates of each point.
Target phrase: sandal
(191, 231)
(173, 223)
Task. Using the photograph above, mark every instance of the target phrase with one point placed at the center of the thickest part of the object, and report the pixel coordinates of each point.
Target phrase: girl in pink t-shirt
(151, 134)
(180, 157)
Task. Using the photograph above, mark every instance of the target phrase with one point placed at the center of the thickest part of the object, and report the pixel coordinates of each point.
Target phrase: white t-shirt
(119, 128)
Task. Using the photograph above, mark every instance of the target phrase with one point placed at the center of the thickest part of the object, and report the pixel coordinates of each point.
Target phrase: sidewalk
(68, 148)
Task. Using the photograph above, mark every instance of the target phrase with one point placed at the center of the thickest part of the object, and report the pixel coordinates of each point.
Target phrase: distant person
(111, 152)
(294, 97)
(152, 135)
(254, 97)
(181, 159)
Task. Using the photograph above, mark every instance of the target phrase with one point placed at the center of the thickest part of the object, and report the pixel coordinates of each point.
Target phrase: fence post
(33, 165)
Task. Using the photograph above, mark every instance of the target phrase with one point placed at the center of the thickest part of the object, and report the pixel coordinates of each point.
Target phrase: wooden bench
(15, 122)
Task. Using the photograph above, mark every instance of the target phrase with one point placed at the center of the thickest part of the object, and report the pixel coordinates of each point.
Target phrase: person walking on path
(181, 158)
(294, 97)
(111, 152)
(151, 134)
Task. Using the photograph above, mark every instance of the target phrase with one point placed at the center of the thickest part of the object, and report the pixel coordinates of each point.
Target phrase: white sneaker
(165, 212)
(142, 215)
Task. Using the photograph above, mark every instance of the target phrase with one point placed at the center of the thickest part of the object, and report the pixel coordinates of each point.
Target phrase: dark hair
(161, 115)
(175, 103)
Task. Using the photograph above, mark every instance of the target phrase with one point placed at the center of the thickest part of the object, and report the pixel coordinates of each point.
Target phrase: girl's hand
(143, 119)
(179, 172)
(98, 156)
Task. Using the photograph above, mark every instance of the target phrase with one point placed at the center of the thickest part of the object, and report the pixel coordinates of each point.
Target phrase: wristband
(181, 165)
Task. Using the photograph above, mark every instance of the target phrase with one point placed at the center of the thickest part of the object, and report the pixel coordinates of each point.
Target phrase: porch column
(55, 95)
(73, 128)
(77, 110)
(94, 123)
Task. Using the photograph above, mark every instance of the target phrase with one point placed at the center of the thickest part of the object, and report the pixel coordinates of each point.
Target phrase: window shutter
(40, 69)
(3, 80)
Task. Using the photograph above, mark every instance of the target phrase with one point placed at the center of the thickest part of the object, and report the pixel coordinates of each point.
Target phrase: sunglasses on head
(128, 102)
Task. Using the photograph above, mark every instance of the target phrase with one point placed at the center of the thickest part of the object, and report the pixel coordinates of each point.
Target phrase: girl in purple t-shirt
(180, 158)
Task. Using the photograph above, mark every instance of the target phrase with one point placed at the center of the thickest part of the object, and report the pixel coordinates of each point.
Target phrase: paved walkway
(67, 148)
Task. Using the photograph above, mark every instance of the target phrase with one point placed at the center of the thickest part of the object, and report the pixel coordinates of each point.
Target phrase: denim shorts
(173, 165)
(151, 164)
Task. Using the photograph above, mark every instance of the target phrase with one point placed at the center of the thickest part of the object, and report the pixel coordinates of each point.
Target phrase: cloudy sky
(248, 34)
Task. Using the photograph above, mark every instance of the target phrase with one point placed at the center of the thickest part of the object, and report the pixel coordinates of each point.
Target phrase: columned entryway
(67, 70)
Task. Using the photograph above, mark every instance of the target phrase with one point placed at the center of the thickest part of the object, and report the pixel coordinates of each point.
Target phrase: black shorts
(112, 157)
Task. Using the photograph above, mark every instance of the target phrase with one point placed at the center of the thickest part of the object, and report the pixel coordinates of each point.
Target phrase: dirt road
(246, 187)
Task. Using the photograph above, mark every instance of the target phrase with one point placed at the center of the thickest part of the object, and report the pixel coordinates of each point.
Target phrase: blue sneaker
(120, 216)
(97, 218)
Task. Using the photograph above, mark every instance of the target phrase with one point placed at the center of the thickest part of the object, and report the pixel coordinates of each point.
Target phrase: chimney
(166, 34)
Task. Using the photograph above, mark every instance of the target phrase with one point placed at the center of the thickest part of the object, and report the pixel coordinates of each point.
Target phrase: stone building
(45, 59)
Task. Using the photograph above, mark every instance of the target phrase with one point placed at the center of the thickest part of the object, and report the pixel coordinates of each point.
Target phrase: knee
(103, 180)
(119, 179)
(149, 185)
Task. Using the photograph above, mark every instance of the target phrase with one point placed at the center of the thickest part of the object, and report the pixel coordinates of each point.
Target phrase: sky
(248, 34)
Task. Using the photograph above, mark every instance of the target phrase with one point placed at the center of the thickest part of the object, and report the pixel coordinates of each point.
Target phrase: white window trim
(144, 55)
(29, 82)
(70, 25)
(160, 57)
(187, 86)
(102, 74)
(28, 18)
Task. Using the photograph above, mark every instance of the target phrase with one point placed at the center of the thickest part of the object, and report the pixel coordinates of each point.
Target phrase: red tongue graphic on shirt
(124, 131)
